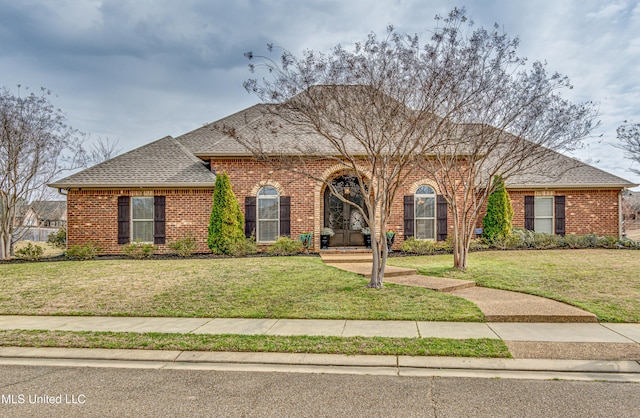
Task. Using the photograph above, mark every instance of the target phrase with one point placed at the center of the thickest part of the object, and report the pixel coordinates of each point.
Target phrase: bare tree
(629, 135)
(36, 145)
(507, 121)
(455, 107)
(103, 150)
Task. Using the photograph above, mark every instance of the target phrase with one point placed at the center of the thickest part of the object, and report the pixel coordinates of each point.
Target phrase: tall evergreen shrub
(226, 226)
(497, 222)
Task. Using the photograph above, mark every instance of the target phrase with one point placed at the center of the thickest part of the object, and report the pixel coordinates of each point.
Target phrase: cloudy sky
(137, 70)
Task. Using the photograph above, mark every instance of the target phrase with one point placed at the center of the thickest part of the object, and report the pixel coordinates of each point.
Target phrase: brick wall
(93, 213)
(587, 211)
(93, 216)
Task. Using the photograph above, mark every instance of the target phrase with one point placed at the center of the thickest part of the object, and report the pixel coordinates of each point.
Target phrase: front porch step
(364, 269)
(338, 258)
(439, 284)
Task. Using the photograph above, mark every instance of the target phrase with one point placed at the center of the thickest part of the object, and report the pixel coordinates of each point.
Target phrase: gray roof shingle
(171, 162)
(163, 163)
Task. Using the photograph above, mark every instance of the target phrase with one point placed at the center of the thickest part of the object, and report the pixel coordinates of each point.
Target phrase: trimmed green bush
(30, 252)
(82, 252)
(58, 239)
(139, 250)
(226, 226)
(418, 246)
(285, 246)
(243, 247)
(184, 247)
(497, 222)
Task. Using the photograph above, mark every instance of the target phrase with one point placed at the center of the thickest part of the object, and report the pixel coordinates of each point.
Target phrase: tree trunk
(5, 245)
(379, 262)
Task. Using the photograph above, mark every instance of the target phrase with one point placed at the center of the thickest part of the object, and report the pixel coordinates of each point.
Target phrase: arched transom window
(268, 214)
(425, 213)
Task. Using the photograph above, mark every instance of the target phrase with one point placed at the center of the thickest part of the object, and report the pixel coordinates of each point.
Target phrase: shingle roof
(50, 210)
(163, 163)
(259, 130)
(562, 171)
(174, 162)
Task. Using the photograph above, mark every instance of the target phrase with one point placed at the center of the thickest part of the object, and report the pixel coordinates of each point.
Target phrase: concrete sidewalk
(578, 351)
(584, 341)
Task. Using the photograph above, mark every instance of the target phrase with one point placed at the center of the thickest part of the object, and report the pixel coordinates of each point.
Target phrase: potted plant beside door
(390, 238)
(325, 234)
(366, 233)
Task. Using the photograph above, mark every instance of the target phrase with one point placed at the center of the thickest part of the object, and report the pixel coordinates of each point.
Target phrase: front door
(346, 220)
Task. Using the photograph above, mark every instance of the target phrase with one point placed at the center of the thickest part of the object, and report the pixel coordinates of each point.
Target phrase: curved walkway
(496, 305)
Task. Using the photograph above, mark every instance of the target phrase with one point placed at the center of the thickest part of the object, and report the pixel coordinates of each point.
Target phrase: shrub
(243, 247)
(285, 246)
(418, 246)
(575, 241)
(30, 252)
(497, 222)
(58, 239)
(608, 241)
(82, 252)
(227, 221)
(139, 250)
(543, 241)
(184, 247)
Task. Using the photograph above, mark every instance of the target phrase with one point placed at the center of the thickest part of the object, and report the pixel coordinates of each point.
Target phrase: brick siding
(92, 214)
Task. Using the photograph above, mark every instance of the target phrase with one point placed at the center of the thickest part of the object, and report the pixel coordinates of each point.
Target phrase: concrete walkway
(542, 351)
(583, 341)
(496, 305)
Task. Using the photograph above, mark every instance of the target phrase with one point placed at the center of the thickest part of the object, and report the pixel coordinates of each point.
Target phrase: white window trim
(434, 219)
(552, 217)
(277, 220)
(133, 220)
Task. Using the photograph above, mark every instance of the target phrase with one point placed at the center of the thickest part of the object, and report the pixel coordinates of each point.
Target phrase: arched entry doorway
(345, 219)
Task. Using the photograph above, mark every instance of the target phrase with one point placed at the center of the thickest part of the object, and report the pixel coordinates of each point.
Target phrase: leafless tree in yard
(629, 135)
(392, 105)
(103, 150)
(36, 146)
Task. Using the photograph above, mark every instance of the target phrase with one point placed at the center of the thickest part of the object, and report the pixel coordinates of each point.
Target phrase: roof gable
(163, 163)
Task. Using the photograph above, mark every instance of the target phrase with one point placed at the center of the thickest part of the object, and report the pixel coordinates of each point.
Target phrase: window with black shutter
(285, 216)
(560, 228)
(159, 220)
(123, 219)
(249, 216)
(441, 212)
(408, 217)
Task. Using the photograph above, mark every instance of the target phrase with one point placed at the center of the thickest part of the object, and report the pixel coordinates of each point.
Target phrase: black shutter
(158, 220)
(409, 224)
(123, 219)
(249, 216)
(529, 213)
(285, 216)
(560, 215)
(441, 212)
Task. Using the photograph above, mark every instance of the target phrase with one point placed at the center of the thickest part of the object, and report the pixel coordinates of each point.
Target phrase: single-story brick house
(162, 192)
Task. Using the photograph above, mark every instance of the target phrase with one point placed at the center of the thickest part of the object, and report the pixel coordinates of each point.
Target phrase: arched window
(425, 213)
(268, 214)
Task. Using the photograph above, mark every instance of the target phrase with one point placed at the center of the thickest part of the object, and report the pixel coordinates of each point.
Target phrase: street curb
(626, 371)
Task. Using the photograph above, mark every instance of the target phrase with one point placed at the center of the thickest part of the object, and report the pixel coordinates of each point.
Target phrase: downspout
(60, 191)
(620, 218)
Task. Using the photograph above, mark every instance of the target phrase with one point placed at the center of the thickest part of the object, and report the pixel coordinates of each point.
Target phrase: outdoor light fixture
(347, 191)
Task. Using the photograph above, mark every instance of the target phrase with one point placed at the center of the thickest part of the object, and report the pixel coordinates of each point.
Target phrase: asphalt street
(78, 391)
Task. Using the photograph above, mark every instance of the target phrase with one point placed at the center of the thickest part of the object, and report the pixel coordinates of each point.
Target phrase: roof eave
(133, 186)
(571, 186)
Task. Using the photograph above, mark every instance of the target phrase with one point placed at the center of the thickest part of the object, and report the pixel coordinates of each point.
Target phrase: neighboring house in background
(46, 214)
(162, 192)
(631, 205)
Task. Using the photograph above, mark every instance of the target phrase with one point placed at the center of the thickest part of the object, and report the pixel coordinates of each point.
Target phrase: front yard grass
(261, 287)
(604, 282)
(258, 343)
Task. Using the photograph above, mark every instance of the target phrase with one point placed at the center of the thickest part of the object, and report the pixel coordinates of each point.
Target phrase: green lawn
(258, 343)
(604, 282)
(261, 287)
